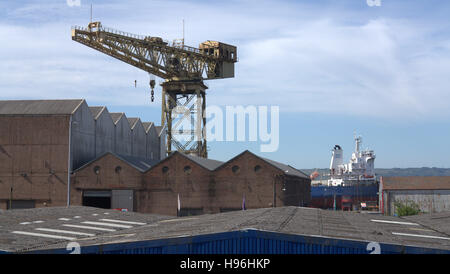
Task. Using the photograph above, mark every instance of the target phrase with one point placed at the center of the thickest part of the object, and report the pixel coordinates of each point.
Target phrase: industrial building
(431, 194)
(189, 185)
(43, 141)
(280, 230)
(63, 152)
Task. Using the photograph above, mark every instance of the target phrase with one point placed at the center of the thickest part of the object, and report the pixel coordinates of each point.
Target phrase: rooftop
(96, 111)
(141, 164)
(39, 107)
(204, 162)
(417, 183)
(20, 229)
(116, 116)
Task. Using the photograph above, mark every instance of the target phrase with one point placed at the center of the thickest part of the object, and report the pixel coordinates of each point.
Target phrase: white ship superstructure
(360, 169)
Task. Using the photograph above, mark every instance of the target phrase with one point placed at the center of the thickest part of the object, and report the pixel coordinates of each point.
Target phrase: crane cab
(219, 50)
(227, 55)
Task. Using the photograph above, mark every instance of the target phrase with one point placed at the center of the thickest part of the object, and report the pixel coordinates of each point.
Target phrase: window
(235, 169)
(187, 169)
(97, 170)
(165, 169)
(118, 169)
(257, 168)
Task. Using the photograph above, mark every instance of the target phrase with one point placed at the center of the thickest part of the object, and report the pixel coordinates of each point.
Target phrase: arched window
(165, 169)
(235, 169)
(97, 170)
(257, 168)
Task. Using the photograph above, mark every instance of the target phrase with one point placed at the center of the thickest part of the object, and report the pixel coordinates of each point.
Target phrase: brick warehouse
(42, 141)
(115, 162)
(203, 185)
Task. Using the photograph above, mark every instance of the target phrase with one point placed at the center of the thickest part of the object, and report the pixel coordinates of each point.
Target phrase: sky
(332, 67)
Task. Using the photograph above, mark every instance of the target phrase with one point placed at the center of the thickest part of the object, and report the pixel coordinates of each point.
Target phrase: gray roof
(311, 222)
(116, 116)
(147, 125)
(39, 107)
(288, 170)
(96, 111)
(206, 163)
(158, 130)
(133, 121)
(141, 164)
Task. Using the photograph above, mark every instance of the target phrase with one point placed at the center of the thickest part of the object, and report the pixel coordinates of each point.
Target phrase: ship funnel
(336, 158)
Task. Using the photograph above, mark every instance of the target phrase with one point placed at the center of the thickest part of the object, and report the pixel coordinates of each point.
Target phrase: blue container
(248, 242)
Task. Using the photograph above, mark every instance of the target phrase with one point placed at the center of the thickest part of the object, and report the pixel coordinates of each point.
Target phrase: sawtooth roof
(96, 111)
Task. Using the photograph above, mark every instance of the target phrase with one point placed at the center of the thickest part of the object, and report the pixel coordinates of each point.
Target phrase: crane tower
(182, 67)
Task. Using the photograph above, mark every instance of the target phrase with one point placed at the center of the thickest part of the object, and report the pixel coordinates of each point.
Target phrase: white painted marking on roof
(421, 236)
(25, 223)
(77, 217)
(44, 235)
(37, 222)
(178, 219)
(95, 214)
(64, 219)
(106, 213)
(65, 231)
(107, 224)
(122, 222)
(393, 222)
(421, 229)
(91, 227)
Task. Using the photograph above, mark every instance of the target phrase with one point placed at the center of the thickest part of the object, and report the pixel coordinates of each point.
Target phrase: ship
(348, 186)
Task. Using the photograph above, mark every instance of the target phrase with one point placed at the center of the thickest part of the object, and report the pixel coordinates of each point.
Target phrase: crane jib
(184, 68)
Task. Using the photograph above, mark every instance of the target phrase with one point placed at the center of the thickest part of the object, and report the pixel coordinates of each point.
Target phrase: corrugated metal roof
(96, 111)
(39, 107)
(417, 183)
(116, 116)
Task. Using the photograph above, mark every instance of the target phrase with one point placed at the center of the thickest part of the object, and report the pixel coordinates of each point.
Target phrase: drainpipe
(69, 161)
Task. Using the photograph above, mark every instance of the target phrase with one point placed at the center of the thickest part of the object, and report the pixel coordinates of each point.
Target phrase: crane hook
(152, 86)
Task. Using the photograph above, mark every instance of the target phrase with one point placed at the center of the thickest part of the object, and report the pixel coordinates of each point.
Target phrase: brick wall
(33, 159)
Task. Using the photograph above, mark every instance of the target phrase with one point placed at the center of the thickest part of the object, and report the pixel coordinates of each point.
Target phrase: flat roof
(416, 183)
(21, 230)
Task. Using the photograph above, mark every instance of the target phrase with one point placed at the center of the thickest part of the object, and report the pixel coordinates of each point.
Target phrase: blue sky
(333, 67)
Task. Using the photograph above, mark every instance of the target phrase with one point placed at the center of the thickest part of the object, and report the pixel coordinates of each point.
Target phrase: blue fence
(250, 242)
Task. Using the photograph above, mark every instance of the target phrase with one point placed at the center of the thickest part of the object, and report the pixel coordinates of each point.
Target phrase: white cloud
(295, 56)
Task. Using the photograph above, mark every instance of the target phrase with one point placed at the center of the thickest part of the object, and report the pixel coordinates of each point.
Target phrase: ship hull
(345, 197)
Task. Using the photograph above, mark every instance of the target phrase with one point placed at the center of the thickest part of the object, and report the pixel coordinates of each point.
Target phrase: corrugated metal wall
(430, 201)
(248, 242)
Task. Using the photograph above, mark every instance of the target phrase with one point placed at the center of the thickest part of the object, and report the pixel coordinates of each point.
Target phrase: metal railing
(141, 37)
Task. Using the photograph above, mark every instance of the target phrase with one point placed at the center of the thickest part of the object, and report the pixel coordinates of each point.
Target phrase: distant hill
(393, 172)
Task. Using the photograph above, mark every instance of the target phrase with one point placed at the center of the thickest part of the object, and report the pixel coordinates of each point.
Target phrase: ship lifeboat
(314, 175)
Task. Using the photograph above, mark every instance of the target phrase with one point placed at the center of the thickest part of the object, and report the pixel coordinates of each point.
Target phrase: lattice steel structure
(184, 68)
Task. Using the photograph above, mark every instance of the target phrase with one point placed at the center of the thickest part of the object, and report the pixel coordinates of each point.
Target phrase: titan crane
(184, 68)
